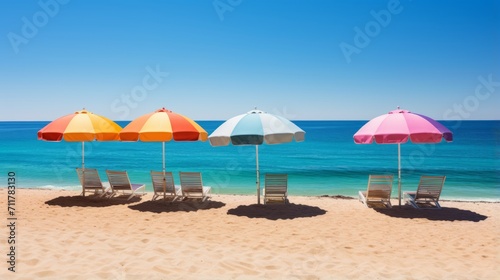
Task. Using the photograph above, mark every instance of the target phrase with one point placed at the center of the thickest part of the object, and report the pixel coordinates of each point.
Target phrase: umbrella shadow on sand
(444, 214)
(277, 211)
(89, 201)
(160, 206)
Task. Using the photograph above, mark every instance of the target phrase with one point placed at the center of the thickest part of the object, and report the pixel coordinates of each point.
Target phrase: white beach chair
(275, 188)
(120, 182)
(427, 194)
(90, 180)
(192, 186)
(378, 191)
(163, 185)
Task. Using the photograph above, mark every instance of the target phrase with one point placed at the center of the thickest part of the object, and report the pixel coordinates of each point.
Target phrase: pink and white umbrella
(397, 127)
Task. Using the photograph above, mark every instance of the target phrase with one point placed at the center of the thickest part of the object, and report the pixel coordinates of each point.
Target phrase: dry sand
(61, 235)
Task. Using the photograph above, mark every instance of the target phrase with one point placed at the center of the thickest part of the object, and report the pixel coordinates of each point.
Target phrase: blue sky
(211, 60)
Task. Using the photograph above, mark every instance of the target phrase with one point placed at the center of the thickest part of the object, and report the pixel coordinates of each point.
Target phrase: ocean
(326, 163)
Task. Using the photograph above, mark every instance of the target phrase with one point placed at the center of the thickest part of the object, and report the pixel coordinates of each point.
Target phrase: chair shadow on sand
(159, 206)
(444, 214)
(89, 201)
(277, 211)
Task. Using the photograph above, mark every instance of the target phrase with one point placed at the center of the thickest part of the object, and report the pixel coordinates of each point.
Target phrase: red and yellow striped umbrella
(81, 126)
(161, 126)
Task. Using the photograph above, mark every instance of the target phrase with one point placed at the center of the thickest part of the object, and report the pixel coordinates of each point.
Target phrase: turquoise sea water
(326, 163)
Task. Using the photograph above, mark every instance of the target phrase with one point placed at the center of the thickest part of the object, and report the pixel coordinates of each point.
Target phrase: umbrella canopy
(255, 128)
(400, 125)
(81, 126)
(397, 127)
(163, 125)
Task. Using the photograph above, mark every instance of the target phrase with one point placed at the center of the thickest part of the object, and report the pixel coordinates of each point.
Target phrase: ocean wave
(52, 187)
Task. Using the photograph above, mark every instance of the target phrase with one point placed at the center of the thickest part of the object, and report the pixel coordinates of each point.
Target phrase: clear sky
(212, 60)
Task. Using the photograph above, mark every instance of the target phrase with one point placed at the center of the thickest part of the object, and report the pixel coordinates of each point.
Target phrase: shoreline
(230, 237)
(334, 196)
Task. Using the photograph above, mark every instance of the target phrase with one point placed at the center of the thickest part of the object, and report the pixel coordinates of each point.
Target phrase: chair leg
(104, 192)
(414, 204)
(132, 195)
(362, 198)
(437, 205)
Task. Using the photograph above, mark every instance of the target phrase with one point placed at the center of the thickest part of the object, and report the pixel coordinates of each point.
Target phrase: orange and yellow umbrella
(161, 126)
(81, 126)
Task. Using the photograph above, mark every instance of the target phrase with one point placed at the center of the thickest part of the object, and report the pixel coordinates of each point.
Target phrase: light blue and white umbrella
(255, 128)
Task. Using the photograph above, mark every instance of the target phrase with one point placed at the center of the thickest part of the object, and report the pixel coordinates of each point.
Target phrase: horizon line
(289, 119)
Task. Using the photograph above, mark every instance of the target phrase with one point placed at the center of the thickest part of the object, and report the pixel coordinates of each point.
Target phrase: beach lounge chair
(90, 180)
(192, 186)
(163, 185)
(427, 194)
(120, 182)
(275, 188)
(378, 191)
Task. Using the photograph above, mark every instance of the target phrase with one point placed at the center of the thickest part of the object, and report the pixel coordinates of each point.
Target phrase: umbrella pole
(83, 167)
(258, 174)
(399, 173)
(164, 179)
(83, 155)
(163, 152)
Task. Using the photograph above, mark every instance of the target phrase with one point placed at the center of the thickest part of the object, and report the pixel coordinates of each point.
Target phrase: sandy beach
(60, 235)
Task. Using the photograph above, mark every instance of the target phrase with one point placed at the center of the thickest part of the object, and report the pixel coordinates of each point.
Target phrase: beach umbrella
(396, 127)
(255, 128)
(161, 126)
(81, 126)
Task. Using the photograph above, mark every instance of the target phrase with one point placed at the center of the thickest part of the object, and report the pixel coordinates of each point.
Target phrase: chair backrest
(89, 177)
(191, 182)
(430, 187)
(276, 183)
(118, 180)
(161, 182)
(379, 186)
